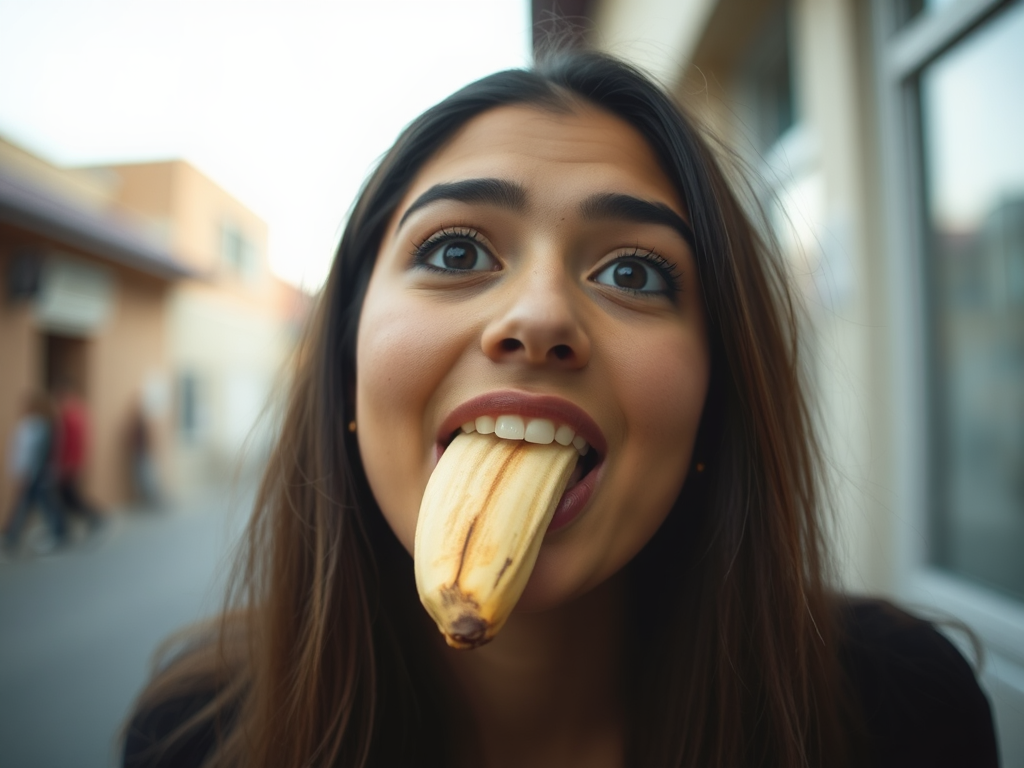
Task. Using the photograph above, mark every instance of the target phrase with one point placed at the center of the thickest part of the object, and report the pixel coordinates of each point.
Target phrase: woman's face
(537, 267)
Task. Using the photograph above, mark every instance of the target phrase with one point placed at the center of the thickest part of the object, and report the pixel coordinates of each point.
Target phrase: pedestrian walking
(143, 466)
(72, 454)
(32, 468)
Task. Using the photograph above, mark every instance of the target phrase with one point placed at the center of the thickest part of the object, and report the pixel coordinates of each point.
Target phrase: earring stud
(352, 426)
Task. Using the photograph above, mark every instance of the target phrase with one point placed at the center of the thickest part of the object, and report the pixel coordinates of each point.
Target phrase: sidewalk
(78, 627)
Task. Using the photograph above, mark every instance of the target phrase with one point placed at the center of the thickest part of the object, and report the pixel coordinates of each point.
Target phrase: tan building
(228, 331)
(884, 136)
(86, 290)
(147, 285)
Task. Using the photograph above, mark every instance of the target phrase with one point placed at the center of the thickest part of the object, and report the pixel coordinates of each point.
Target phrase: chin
(555, 582)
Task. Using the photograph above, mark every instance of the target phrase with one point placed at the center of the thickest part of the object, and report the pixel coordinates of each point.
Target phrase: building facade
(86, 290)
(146, 287)
(229, 330)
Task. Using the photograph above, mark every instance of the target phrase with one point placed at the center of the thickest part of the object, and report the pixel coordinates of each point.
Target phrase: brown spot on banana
(465, 549)
(508, 562)
(468, 631)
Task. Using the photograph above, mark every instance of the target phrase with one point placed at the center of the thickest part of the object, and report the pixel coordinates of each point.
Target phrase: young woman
(558, 244)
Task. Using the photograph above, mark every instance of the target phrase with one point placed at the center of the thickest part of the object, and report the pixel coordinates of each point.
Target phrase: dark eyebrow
(628, 208)
(499, 192)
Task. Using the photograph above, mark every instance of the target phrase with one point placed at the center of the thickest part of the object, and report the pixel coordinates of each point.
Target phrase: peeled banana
(482, 519)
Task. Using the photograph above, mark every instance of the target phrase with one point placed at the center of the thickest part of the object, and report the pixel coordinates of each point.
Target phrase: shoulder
(154, 737)
(921, 700)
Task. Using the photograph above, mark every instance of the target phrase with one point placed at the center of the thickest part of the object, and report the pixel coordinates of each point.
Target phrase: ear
(348, 413)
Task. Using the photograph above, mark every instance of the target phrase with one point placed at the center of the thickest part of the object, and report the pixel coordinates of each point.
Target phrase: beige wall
(200, 208)
(227, 331)
(191, 208)
(654, 34)
(231, 328)
(19, 366)
(129, 349)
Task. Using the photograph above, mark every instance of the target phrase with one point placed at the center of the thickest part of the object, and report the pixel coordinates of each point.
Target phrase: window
(972, 120)
(237, 251)
(951, 98)
(191, 412)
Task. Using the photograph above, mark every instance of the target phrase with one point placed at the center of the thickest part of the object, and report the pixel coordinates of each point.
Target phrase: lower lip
(574, 500)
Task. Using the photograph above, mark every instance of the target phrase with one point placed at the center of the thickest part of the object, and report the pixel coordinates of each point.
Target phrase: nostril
(511, 345)
(562, 351)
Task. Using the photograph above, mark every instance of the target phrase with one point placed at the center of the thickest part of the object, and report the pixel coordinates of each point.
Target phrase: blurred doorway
(65, 360)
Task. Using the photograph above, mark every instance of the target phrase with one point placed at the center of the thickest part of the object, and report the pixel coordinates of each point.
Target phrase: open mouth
(542, 431)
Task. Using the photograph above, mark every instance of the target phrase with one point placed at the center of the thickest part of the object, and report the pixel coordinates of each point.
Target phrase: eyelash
(668, 271)
(423, 249)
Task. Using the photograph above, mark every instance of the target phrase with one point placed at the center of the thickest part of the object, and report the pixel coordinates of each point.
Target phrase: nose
(539, 324)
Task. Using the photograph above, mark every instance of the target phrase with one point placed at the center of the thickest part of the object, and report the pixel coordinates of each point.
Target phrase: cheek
(660, 383)
(393, 364)
(668, 385)
(401, 359)
(663, 383)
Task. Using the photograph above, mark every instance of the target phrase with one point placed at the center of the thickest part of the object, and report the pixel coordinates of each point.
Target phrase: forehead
(555, 156)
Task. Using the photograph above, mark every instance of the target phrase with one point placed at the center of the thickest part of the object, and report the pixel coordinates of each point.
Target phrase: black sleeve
(922, 704)
(146, 741)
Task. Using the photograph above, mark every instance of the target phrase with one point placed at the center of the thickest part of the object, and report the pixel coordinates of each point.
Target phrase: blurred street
(78, 627)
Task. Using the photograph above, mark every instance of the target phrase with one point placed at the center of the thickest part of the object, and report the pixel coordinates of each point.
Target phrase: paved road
(78, 628)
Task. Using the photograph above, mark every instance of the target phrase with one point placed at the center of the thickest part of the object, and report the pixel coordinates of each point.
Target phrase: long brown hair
(733, 658)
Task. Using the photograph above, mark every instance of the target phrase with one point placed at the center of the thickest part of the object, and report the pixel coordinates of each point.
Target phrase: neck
(547, 690)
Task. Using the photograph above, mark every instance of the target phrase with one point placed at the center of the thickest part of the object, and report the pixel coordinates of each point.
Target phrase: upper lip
(551, 407)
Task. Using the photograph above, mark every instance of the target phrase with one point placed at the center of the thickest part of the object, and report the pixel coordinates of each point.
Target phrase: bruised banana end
(481, 523)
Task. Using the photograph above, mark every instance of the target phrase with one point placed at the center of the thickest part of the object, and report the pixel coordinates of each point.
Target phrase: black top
(920, 698)
(921, 701)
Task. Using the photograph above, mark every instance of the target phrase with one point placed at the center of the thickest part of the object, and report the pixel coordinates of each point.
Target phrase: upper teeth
(512, 427)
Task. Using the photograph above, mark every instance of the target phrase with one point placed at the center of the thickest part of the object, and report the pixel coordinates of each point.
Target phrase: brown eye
(460, 255)
(632, 275)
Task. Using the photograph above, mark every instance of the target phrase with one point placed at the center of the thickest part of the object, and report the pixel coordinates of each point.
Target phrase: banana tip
(467, 631)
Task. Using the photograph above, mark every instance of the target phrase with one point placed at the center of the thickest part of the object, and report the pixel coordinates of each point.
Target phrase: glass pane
(972, 110)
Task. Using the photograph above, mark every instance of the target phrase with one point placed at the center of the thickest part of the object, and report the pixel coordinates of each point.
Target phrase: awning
(111, 235)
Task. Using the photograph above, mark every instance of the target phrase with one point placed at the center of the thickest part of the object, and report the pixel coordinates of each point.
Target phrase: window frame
(900, 55)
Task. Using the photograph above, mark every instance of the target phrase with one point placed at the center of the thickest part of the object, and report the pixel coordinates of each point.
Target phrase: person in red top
(72, 452)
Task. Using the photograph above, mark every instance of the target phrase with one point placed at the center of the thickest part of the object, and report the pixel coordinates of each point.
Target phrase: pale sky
(285, 104)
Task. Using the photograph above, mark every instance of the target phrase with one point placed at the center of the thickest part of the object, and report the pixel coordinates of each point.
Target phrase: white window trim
(997, 619)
